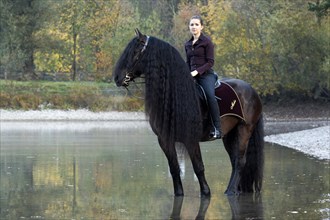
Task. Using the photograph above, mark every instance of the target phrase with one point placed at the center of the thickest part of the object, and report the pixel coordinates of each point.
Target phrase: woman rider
(200, 59)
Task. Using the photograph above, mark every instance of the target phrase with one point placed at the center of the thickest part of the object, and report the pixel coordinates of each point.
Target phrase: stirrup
(216, 134)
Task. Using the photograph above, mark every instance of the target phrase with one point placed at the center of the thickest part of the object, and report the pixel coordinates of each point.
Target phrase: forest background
(280, 47)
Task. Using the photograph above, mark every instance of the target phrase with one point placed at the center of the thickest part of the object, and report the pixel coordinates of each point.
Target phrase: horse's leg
(237, 153)
(198, 165)
(229, 146)
(170, 153)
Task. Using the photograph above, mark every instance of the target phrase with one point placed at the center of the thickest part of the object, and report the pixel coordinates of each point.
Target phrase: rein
(139, 89)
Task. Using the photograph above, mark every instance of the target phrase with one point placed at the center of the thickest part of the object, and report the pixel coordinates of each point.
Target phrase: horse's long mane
(171, 99)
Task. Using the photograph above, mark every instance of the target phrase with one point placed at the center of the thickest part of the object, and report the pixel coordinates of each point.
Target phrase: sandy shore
(312, 141)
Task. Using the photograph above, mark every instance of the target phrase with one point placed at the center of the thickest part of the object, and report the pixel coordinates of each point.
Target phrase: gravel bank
(314, 141)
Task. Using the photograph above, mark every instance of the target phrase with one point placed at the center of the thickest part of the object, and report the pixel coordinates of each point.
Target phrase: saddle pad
(228, 101)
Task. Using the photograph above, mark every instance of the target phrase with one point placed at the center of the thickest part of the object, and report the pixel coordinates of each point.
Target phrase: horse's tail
(252, 173)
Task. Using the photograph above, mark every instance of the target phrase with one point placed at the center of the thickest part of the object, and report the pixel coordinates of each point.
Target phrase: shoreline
(308, 135)
(84, 114)
(313, 142)
(69, 115)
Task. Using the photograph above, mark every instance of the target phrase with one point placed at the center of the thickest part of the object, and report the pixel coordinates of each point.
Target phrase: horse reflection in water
(245, 206)
(175, 113)
(177, 206)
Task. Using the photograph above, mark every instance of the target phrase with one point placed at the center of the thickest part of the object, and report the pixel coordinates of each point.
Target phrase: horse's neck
(172, 104)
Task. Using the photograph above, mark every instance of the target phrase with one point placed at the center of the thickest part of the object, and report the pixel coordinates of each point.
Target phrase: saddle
(228, 100)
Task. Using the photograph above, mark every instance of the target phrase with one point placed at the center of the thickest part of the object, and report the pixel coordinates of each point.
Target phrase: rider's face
(195, 27)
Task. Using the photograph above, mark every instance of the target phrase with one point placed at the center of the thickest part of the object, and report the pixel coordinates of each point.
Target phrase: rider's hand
(194, 73)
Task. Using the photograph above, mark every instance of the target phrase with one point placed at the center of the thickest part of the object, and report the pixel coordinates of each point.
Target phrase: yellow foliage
(104, 64)
(239, 51)
(50, 62)
(180, 31)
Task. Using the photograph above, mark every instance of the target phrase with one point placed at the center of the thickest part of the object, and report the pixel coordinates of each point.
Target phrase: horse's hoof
(179, 193)
(231, 193)
(206, 193)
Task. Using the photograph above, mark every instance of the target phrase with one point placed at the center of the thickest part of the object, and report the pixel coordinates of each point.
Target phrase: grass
(33, 95)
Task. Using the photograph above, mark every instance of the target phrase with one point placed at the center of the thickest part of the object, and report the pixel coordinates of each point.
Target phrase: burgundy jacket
(200, 56)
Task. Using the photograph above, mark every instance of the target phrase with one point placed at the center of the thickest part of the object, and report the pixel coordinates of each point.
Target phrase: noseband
(129, 74)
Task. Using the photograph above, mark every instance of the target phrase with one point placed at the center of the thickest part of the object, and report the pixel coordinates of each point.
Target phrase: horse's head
(129, 65)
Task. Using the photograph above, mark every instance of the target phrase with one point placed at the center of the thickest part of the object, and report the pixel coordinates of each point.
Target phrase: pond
(116, 170)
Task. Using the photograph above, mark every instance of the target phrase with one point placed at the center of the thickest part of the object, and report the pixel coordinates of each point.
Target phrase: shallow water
(116, 170)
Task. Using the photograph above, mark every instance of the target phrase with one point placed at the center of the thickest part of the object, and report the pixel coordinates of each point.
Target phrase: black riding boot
(216, 132)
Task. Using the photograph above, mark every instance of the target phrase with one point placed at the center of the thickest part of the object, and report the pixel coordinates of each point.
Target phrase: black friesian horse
(172, 107)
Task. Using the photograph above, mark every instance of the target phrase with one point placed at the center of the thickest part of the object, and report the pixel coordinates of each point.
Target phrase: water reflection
(116, 170)
(246, 206)
(177, 206)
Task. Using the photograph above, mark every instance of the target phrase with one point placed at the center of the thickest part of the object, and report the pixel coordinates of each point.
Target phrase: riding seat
(228, 100)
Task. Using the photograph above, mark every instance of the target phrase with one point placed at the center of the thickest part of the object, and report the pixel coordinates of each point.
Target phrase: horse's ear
(139, 34)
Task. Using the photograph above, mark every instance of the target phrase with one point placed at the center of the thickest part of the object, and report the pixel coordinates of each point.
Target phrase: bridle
(130, 73)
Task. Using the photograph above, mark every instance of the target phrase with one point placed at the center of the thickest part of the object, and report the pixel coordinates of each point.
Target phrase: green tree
(241, 52)
(299, 49)
(20, 19)
(320, 8)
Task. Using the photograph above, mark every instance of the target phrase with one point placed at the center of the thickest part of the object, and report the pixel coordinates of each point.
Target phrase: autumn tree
(180, 31)
(280, 46)
(95, 55)
(273, 45)
(78, 39)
